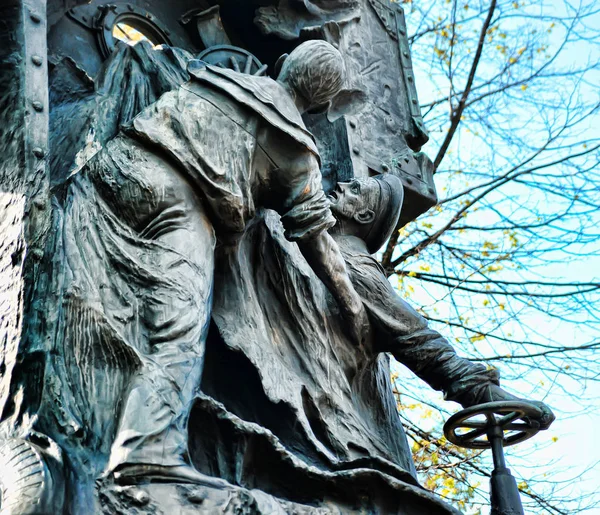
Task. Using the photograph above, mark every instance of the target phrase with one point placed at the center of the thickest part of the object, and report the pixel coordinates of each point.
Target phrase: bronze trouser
(153, 423)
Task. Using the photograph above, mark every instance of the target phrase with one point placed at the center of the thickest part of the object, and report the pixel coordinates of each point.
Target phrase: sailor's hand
(547, 416)
(495, 393)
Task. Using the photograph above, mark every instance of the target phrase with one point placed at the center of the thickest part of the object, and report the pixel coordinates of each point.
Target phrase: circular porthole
(131, 25)
(125, 30)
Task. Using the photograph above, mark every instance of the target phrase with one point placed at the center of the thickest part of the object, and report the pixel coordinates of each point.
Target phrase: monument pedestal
(186, 499)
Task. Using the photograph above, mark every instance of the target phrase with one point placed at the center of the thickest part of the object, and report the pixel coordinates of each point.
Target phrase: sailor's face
(350, 198)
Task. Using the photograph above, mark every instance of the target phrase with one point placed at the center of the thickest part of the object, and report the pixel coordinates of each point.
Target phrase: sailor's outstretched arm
(404, 333)
(324, 257)
(433, 359)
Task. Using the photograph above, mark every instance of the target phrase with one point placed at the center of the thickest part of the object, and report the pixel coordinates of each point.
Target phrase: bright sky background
(577, 428)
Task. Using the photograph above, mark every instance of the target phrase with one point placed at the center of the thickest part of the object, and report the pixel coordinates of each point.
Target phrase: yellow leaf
(524, 87)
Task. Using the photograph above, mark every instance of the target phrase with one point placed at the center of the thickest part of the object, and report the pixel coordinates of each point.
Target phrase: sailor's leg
(152, 433)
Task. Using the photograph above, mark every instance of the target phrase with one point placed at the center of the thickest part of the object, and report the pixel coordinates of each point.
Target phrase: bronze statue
(198, 327)
(189, 169)
(367, 211)
(281, 349)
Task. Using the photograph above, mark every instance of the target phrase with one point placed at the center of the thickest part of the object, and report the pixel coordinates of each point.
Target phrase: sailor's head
(368, 208)
(314, 70)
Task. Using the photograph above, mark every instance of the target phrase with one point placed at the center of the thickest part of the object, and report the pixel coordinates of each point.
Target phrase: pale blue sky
(576, 450)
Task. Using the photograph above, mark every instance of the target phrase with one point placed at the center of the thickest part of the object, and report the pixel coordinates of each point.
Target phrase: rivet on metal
(409, 180)
(38, 152)
(37, 60)
(406, 54)
(35, 18)
(430, 190)
(352, 124)
(356, 150)
(385, 168)
(38, 106)
(414, 101)
(107, 26)
(409, 78)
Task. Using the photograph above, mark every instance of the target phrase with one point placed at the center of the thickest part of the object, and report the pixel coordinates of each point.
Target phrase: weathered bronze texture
(192, 320)
(495, 425)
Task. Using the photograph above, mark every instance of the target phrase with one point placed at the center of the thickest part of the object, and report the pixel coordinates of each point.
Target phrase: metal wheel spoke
(522, 426)
(261, 70)
(248, 66)
(475, 424)
(472, 434)
(491, 419)
(234, 63)
(509, 418)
